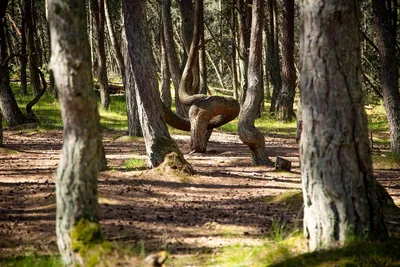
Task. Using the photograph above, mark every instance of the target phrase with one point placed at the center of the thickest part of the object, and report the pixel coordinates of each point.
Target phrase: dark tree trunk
(202, 58)
(158, 141)
(233, 52)
(8, 105)
(385, 22)
(273, 55)
(165, 73)
(23, 60)
(248, 133)
(76, 183)
(173, 62)
(340, 193)
(284, 108)
(98, 14)
(134, 127)
(30, 40)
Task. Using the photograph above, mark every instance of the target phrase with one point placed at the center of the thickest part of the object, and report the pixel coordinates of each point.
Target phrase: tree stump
(282, 164)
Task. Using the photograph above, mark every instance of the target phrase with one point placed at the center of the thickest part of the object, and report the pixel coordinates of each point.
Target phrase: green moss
(135, 164)
(292, 199)
(85, 235)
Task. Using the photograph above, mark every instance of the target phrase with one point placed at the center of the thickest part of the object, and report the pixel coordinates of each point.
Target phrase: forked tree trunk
(8, 105)
(248, 133)
(157, 138)
(284, 107)
(76, 182)
(98, 14)
(385, 22)
(340, 193)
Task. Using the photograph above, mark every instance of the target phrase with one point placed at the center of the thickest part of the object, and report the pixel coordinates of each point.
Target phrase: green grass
(135, 164)
(32, 261)
(386, 160)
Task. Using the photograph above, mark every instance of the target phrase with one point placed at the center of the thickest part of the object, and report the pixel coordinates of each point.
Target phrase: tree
(157, 138)
(97, 10)
(76, 182)
(385, 22)
(284, 108)
(8, 105)
(248, 133)
(340, 193)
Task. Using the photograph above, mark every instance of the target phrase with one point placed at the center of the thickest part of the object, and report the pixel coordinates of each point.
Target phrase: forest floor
(228, 201)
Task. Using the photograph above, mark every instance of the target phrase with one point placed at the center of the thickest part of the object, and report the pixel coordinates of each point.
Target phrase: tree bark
(97, 7)
(284, 108)
(248, 133)
(165, 73)
(157, 138)
(385, 22)
(76, 182)
(8, 105)
(340, 193)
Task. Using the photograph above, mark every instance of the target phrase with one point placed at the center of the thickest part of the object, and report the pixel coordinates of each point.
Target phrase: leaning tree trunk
(8, 105)
(248, 133)
(157, 138)
(385, 22)
(340, 193)
(76, 182)
(284, 107)
(97, 7)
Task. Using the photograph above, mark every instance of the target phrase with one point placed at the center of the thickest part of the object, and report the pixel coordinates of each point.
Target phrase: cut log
(282, 164)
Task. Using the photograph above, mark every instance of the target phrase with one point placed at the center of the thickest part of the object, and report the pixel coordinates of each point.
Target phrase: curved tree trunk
(248, 133)
(340, 193)
(157, 138)
(8, 105)
(385, 20)
(76, 183)
(97, 7)
(284, 107)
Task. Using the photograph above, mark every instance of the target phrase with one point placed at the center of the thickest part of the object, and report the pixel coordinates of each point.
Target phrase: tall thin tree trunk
(233, 52)
(284, 108)
(76, 182)
(341, 199)
(165, 73)
(248, 133)
(23, 60)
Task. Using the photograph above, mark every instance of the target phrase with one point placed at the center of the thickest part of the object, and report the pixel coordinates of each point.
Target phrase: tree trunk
(23, 60)
(385, 22)
(165, 74)
(202, 59)
(158, 141)
(8, 105)
(30, 40)
(76, 182)
(248, 133)
(340, 193)
(134, 127)
(284, 108)
(233, 53)
(273, 55)
(97, 7)
(173, 62)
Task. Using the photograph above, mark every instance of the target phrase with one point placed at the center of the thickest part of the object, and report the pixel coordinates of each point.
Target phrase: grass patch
(135, 164)
(291, 199)
(32, 261)
(386, 160)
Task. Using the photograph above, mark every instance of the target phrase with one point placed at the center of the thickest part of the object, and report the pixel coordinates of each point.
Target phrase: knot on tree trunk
(175, 164)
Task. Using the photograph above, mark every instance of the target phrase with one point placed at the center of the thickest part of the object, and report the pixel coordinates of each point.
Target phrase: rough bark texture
(284, 107)
(173, 62)
(158, 141)
(8, 105)
(134, 127)
(76, 182)
(385, 20)
(98, 14)
(273, 55)
(23, 60)
(206, 112)
(248, 133)
(340, 193)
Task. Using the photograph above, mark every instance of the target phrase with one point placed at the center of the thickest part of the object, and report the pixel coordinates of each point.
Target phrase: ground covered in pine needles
(227, 211)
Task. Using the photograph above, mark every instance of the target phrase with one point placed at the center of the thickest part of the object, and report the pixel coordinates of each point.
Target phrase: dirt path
(224, 203)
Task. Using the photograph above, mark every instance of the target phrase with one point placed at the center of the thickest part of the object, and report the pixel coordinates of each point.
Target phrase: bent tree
(76, 182)
(155, 132)
(340, 193)
(248, 133)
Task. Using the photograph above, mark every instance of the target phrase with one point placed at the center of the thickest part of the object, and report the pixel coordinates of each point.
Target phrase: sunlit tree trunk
(341, 200)
(76, 182)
